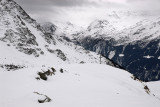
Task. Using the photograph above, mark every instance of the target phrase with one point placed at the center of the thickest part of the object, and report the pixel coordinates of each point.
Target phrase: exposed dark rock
(59, 53)
(46, 99)
(49, 73)
(82, 62)
(12, 67)
(61, 70)
(42, 75)
(147, 89)
(53, 70)
(49, 38)
(28, 51)
(37, 78)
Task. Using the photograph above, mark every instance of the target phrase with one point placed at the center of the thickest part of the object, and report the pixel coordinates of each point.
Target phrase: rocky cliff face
(17, 28)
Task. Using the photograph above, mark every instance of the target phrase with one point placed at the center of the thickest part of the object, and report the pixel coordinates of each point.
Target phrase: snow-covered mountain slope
(63, 29)
(145, 30)
(99, 28)
(23, 41)
(154, 87)
(135, 48)
(80, 85)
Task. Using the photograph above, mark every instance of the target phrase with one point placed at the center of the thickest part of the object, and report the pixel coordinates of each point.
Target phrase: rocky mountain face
(18, 29)
(135, 48)
(23, 41)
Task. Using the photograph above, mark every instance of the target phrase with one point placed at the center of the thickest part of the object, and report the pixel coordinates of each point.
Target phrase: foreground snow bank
(155, 88)
(80, 85)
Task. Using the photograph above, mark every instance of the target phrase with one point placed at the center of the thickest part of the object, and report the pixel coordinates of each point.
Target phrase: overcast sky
(80, 11)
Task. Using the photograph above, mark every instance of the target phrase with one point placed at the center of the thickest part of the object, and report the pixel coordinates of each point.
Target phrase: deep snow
(81, 85)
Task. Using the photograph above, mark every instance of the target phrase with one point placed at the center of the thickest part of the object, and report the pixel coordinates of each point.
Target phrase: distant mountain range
(135, 48)
(128, 38)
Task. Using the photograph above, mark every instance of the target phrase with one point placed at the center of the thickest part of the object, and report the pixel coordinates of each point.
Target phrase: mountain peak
(98, 24)
(114, 15)
(12, 8)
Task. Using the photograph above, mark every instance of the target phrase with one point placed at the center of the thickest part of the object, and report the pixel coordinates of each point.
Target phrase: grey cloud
(142, 1)
(46, 10)
(40, 6)
(47, 5)
(55, 2)
(145, 4)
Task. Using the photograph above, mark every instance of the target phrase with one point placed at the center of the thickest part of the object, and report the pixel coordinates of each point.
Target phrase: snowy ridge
(100, 27)
(125, 18)
(145, 30)
(66, 29)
